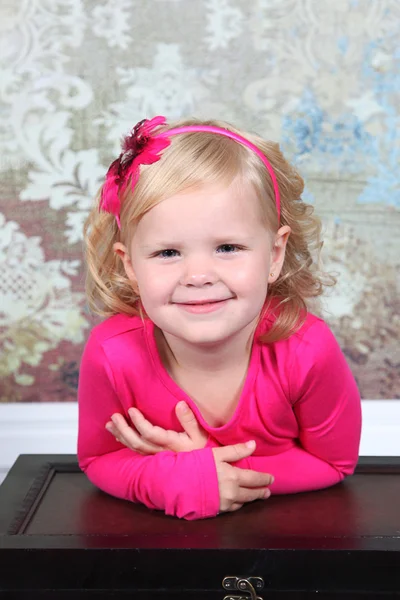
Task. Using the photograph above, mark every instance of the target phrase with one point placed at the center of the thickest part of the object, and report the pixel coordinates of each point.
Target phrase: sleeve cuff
(209, 488)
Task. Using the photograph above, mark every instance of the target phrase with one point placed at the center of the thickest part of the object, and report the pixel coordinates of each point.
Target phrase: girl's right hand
(238, 486)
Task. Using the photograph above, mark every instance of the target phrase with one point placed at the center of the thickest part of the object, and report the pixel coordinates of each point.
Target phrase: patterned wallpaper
(320, 77)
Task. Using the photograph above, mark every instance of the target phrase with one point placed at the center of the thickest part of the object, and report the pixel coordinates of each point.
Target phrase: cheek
(155, 282)
(253, 274)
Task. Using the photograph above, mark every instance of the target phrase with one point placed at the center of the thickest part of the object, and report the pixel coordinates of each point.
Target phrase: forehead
(223, 209)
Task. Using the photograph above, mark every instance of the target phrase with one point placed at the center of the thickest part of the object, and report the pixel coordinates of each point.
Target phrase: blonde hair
(191, 161)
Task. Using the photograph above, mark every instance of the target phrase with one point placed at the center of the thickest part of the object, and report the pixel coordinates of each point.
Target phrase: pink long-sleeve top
(300, 403)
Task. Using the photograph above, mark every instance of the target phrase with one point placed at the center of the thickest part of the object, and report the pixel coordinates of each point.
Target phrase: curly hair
(192, 160)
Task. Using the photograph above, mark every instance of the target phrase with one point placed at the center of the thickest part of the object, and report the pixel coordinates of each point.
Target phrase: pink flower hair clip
(143, 146)
(140, 147)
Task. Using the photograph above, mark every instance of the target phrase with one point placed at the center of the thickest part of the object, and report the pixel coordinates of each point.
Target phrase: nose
(198, 272)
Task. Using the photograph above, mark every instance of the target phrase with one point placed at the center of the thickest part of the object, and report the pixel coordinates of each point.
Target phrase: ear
(123, 253)
(278, 252)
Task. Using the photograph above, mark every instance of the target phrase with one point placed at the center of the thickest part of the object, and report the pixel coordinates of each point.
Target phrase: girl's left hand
(146, 438)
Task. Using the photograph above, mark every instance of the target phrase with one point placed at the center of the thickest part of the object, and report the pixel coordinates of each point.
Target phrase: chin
(204, 336)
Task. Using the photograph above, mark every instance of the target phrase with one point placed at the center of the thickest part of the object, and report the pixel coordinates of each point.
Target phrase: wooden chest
(62, 538)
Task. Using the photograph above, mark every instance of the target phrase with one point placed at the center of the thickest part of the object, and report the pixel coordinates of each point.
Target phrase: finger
(152, 433)
(234, 507)
(187, 419)
(110, 427)
(247, 478)
(234, 452)
(122, 434)
(130, 438)
(231, 508)
(245, 495)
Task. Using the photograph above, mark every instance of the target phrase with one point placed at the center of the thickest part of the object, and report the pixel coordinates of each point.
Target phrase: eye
(168, 253)
(229, 248)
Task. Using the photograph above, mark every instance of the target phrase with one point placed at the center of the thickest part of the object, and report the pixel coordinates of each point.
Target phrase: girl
(200, 255)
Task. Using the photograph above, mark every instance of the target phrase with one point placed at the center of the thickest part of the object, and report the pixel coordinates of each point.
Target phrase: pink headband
(143, 147)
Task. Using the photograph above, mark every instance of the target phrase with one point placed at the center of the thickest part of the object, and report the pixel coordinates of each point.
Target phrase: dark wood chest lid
(60, 530)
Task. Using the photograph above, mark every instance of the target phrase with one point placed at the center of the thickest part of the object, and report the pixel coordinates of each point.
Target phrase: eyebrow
(227, 239)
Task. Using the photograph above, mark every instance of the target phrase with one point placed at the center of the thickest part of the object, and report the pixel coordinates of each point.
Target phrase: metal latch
(251, 585)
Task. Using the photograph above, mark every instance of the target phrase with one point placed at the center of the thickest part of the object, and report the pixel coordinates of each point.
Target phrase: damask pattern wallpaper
(320, 77)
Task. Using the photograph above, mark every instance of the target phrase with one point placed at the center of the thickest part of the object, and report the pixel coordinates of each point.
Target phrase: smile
(204, 307)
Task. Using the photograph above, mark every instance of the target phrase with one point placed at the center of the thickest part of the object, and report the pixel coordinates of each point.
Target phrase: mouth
(203, 306)
(200, 302)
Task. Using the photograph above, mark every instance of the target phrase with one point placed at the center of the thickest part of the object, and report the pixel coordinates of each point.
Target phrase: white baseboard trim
(381, 428)
(36, 428)
(51, 428)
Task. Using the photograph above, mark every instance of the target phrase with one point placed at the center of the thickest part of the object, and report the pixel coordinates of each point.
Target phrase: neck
(208, 359)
